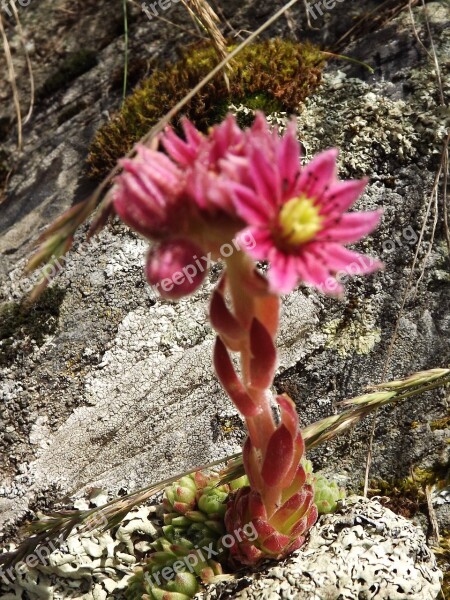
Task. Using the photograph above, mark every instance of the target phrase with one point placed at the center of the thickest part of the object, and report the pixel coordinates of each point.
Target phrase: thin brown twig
(12, 78)
(28, 61)
(435, 537)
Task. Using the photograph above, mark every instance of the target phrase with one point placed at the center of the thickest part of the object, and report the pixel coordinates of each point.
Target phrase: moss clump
(74, 65)
(19, 324)
(270, 75)
(406, 496)
(443, 558)
(443, 423)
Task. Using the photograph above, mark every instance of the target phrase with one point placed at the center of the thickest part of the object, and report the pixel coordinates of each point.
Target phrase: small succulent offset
(189, 548)
(242, 195)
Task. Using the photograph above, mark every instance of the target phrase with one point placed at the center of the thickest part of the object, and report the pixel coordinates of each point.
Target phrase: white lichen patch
(92, 565)
(348, 338)
(353, 116)
(362, 551)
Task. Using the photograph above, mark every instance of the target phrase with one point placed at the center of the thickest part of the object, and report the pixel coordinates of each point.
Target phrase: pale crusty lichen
(92, 565)
(354, 336)
(362, 551)
(368, 127)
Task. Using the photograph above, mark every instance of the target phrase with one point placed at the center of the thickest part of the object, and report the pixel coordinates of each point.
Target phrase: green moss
(443, 558)
(74, 65)
(19, 324)
(270, 75)
(443, 423)
(407, 495)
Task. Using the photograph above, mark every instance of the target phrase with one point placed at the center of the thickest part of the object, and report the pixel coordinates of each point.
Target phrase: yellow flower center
(300, 220)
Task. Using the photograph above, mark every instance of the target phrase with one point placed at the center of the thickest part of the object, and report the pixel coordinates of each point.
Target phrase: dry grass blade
(63, 523)
(27, 59)
(414, 380)
(203, 14)
(59, 525)
(12, 79)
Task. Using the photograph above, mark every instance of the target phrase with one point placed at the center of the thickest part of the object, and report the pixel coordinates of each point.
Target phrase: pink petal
(314, 272)
(178, 149)
(193, 135)
(140, 185)
(283, 274)
(265, 177)
(288, 157)
(350, 227)
(339, 258)
(318, 175)
(261, 240)
(260, 125)
(250, 206)
(225, 137)
(341, 196)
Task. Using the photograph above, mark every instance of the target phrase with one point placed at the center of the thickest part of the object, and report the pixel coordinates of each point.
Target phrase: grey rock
(362, 551)
(122, 393)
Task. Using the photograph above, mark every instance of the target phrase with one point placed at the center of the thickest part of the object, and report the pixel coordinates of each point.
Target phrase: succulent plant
(190, 545)
(183, 586)
(326, 493)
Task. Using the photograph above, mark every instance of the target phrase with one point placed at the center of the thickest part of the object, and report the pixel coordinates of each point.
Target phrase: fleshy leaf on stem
(230, 381)
(263, 360)
(224, 322)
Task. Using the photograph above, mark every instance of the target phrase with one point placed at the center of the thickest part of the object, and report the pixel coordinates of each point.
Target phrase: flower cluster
(205, 191)
(192, 201)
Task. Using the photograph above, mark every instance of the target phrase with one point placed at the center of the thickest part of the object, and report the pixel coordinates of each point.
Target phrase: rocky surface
(362, 551)
(120, 392)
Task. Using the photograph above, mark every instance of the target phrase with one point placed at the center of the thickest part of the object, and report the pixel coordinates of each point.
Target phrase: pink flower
(148, 191)
(297, 215)
(202, 158)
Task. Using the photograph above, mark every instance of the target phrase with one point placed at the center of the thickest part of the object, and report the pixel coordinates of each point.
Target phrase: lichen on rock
(362, 551)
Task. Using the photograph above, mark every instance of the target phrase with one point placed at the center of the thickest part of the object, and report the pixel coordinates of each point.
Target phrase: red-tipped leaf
(263, 361)
(278, 457)
(230, 381)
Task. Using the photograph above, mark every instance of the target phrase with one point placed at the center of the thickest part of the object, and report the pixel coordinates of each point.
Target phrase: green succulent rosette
(326, 493)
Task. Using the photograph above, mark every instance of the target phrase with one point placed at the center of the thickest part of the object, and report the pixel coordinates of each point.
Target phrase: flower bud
(173, 268)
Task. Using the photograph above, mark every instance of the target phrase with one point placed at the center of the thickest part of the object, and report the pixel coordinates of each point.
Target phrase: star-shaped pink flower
(298, 215)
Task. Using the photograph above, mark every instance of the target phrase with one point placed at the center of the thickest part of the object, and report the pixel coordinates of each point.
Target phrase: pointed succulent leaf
(228, 378)
(222, 319)
(263, 361)
(278, 457)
